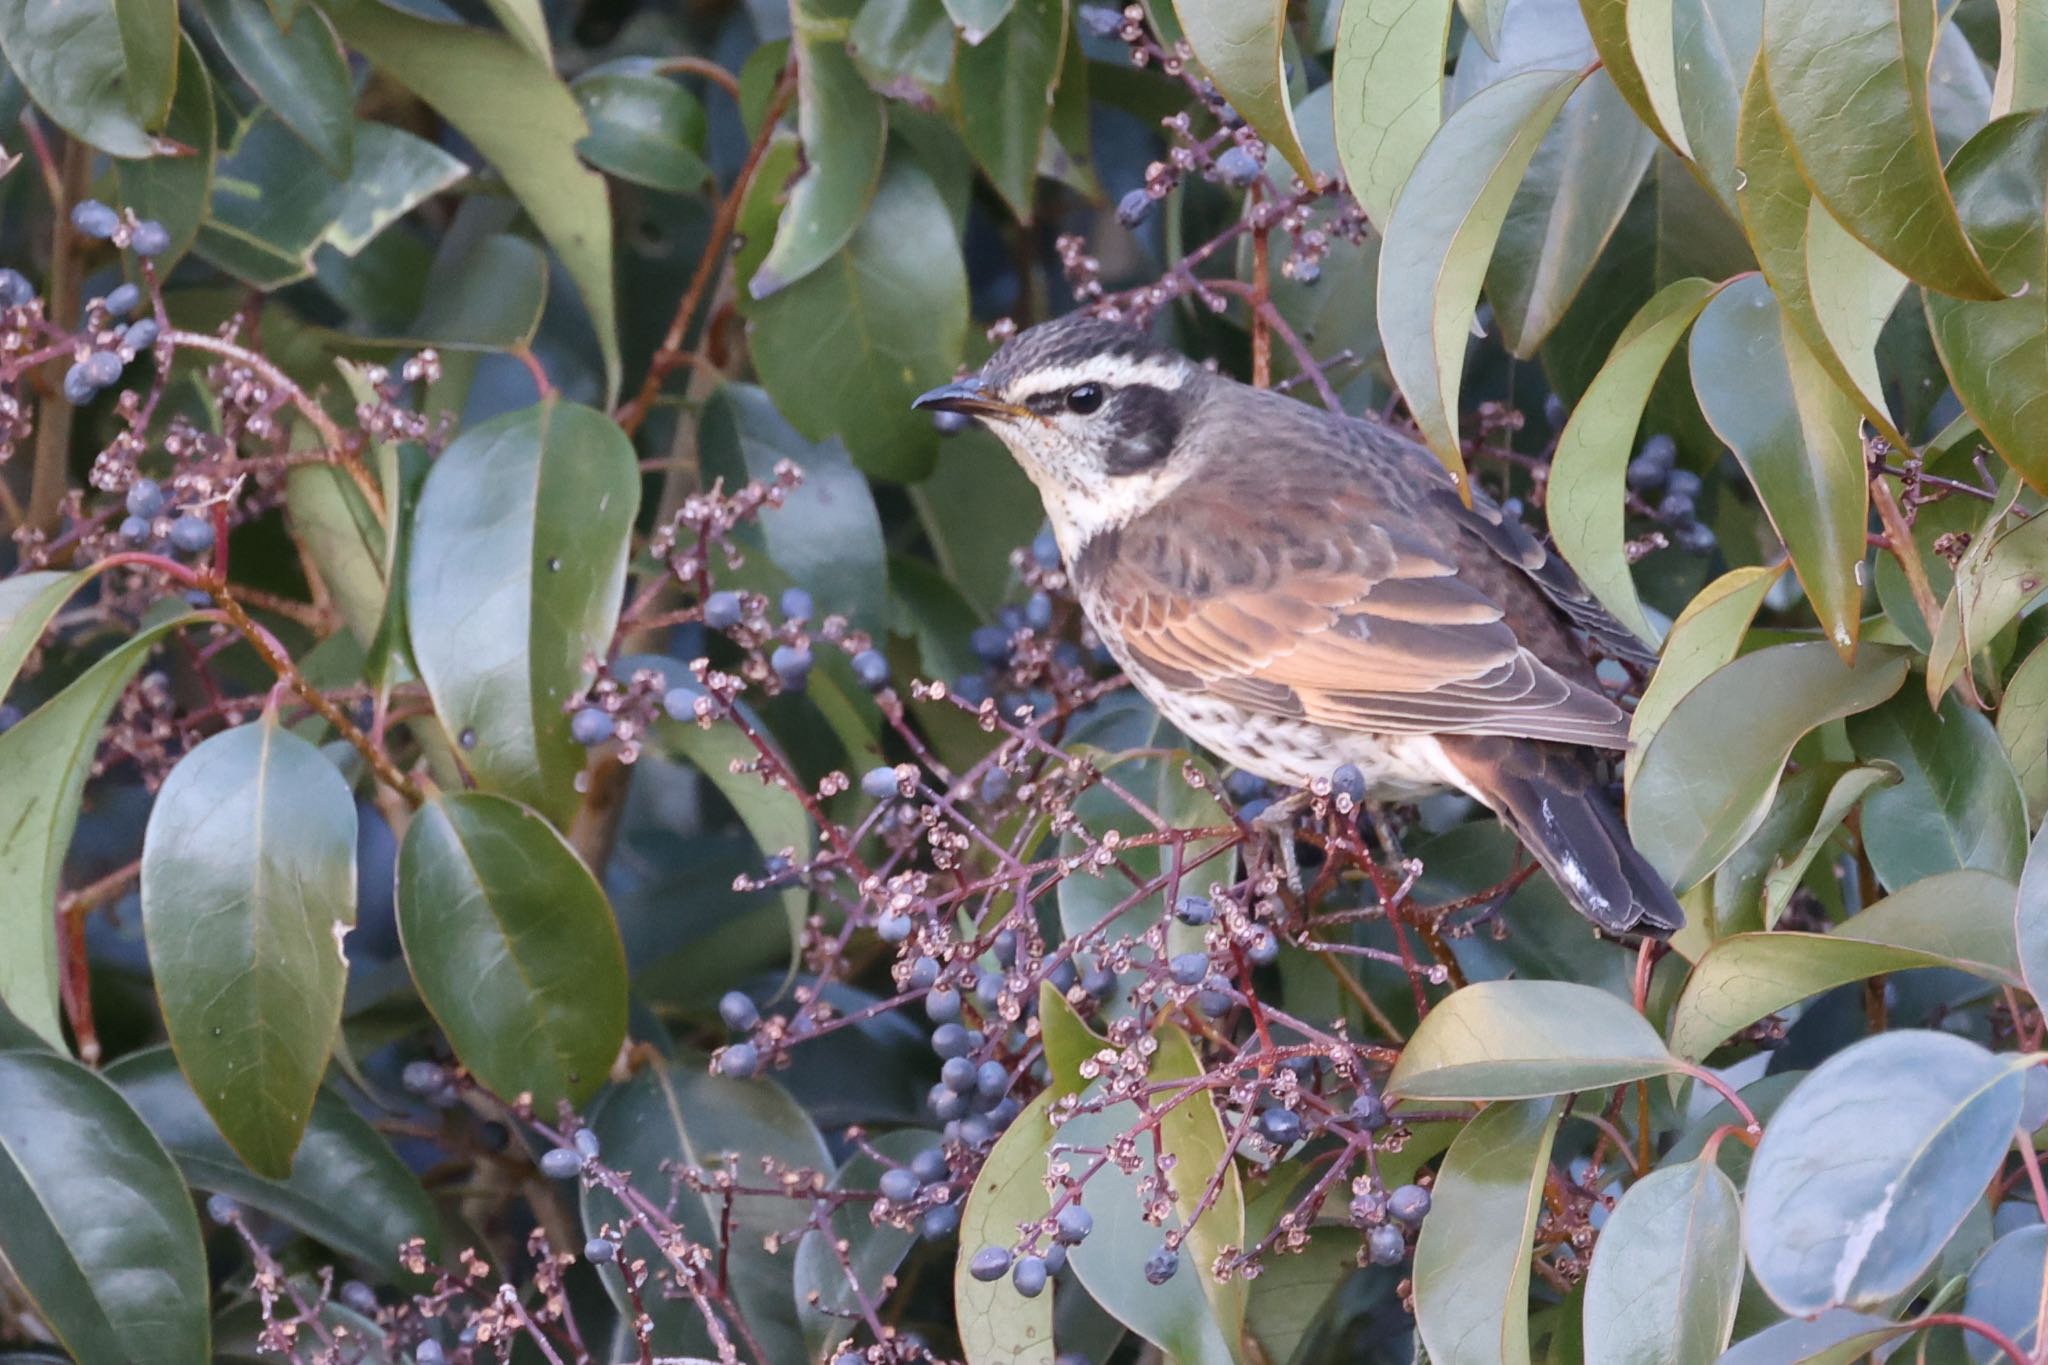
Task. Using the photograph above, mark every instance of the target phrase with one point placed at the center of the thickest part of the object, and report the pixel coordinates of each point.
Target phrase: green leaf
(976, 18)
(1995, 353)
(513, 947)
(29, 601)
(486, 297)
(94, 1221)
(1485, 18)
(1797, 438)
(522, 118)
(69, 57)
(1959, 804)
(1524, 1039)
(2022, 81)
(1962, 920)
(175, 190)
(1587, 491)
(2005, 1291)
(1711, 767)
(1472, 1258)
(299, 73)
(1853, 293)
(1862, 65)
(57, 742)
(527, 23)
(2001, 573)
(905, 45)
(999, 1326)
(1667, 1269)
(643, 127)
(335, 527)
(1785, 874)
(1653, 54)
(1442, 234)
(847, 348)
(1290, 1295)
(518, 566)
(873, 1249)
(1836, 1337)
(1389, 94)
(1004, 106)
(1715, 45)
(149, 54)
(248, 885)
(2023, 730)
(2031, 917)
(1607, 23)
(1706, 635)
(842, 126)
(676, 1112)
(348, 1188)
(1241, 44)
(1872, 1163)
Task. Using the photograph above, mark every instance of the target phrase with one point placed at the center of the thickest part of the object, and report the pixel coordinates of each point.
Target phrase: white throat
(1078, 514)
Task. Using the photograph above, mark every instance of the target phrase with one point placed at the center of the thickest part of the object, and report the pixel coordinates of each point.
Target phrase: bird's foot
(1276, 822)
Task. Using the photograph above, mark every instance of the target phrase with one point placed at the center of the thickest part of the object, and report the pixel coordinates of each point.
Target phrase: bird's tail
(1552, 798)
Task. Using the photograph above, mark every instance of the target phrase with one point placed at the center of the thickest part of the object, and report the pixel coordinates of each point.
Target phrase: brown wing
(1372, 604)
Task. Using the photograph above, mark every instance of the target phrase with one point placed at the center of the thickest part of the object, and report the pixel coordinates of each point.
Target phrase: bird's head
(1093, 410)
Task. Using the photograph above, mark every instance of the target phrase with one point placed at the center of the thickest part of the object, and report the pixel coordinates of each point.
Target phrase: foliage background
(413, 575)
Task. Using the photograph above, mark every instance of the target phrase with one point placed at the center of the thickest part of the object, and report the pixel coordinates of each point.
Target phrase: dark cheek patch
(1144, 426)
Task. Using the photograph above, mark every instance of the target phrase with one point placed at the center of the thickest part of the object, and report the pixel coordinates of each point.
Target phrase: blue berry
(587, 1143)
(1369, 1208)
(738, 1012)
(1555, 413)
(946, 1103)
(899, 1184)
(1238, 167)
(892, 927)
(1004, 946)
(948, 1040)
(871, 669)
(1104, 21)
(1252, 810)
(1038, 612)
(1409, 1203)
(972, 689)
(102, 368)
(423, 1078)
(15, 289)
(1385, 1245)
(1676, 509)
(988, 989)
(1161, 1265)
(976, 1131)
(1241, 786)
(222, 1209)
(1348, 781)
(942, 1005)
(681, 701)
(940, 1222)
(359, 1296)
(1045, 550)
(991, 1080)
(95, 219)
(792, 664)
(592, 725)
(739, 1061)
(958, 1072)
(1063, 976)
(191, 535)
(880, 783)
(1369, 1112)
(150, 238)
(600, 1251)
(10, 716)
(429, 1352)
(929, 1166)
(1100, 982)
(797, 604)
(78, 386)
(1214, 999)
(992, 644)
(1683, 482)
(1281, 1126)
(1696, 538)
(145, 498)
(1188, 969)
(1006, 1111)
(723, 610)
(559, 1163)
(989, 1264)
(924, 973)
(135, 530)
(947, 422)
(1264, 949)
(1193, 910)
(1029, 1276)
(1072, 1224)
(1134, 208)
(123, 299)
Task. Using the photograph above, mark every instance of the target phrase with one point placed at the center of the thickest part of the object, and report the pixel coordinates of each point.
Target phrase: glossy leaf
(1995, 352)
(517, 570)
(487, 297)
(1607, 26)
(842, 126)
(906, 45)
(847, 349)
(94, 1222)
(1388, 96)
(1843, 795)
(1836, 1337)
(175, 190)
(999, 1326)
(1004, 106)
(1523, 1039)
(1240, 43)
(1472, 1258)
(69, 55)
(248, 886)
(1797, 438)
(2031, 917)
(1706, 635)
(2022, 81)
(873, 1249)
(1442, 235)
(1715, 46)
(1709, 771)
(2023, 730)
(149, 54)
(1853, 292)
(513, 947)
(676, 1111)
(510, 104)
(1958, 804)
(644, 127)
(1870, 1165)
(1667, 1269)
(1961, 920)
(2003, 571)
(348, 1188)
(57, 742)
(976, 18)
(1653, 51)
(2005, 1291)
(527, 22)
(29, 601)
(299, 73)
(1849, 80)
(1586, 492)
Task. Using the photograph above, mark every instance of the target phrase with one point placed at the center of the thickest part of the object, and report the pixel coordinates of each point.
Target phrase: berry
(1683, 482)
(222, 1209)
(988, 990)
(871, 669)
(892, 927)
(150, 238)
(95, 219)
(123, 300)
(591, 725)
(1696, 538)
(1045, 550)
(958, 1072)
(1072, 1224)
(1238, 167)
(560, 1163)
(600, 1251)
(1160, 1265)
(797, 605)
(948, 1040)
(191, 535)
(989, 1263)
(850, 1356)
(1029, 1276)
(15, 290)
(949, 423)
(880, 783)
(587, 1143)
(1004, 945)
(1252, 810)
(739, 1061)
(1038, 612)
(924, 972)
(940, 1222)
(1676, 509)
(423, 1078)
(1369, 1112)
(738, 1012)
(992, 643)
(102, 368)
(942, 1005)
(1101, 20)
(991, 1080)
(681, 702)
(929, 1166)
(899, 1184)
(359, 1296)
(1653, 464)
(1369, 1208)
(1188, 969)
(1281, 1126)
(78, 386)
(1555, 413)
(1385, 1245)
(429, 1353)
(145, 498)
(1100, 982)
(1264, 948)
(1134, 208)
(792, 664)
(1409, 1203)
(1348, 781)
(1193, 910)
(135, 530)
(1242, 786)
(1213, 1000)
(723, 610)
(971, 689)
(1063, 976)
(976, 1131)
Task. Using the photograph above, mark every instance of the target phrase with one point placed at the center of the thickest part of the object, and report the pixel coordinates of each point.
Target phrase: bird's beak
(969, 396)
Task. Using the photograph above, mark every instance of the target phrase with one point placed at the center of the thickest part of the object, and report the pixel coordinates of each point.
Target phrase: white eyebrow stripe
(1112, 370)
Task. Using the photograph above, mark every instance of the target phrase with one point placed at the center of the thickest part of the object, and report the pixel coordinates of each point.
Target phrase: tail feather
(1551, 797)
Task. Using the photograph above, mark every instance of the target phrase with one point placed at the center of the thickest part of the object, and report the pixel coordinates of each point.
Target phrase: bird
(1298, 589)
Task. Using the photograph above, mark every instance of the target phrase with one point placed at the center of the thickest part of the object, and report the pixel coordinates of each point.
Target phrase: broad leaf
(299, 72)
(644, 127)
(2031, 917)
(1388, 94)
(1872, 1163)
(149, 52)
(513, 947)
(1958, 804)
(2003, 571)
(1786, 872)
(1472, 1258)
(94, 1222)
(248, 887)
(518, 566)
(69, 55)
(1514, 1040)
(999, 1326)
(2022, 81)
(29, 601)
(1004, 108)
(175, 190)
(1240, 43)
(1836, 1337)
(1706, 635)
(842, 126)
(2005, 1291)
(2023, 730)
(1667, 1269)
(1653, 53)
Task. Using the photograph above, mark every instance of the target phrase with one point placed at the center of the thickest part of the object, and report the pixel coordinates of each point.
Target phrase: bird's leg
(1277, 822)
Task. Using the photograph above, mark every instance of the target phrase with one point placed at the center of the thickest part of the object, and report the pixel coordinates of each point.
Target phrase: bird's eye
(1084, 398)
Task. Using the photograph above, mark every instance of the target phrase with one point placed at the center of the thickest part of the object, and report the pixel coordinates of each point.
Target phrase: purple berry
(1348, 781)
(992, 643)
(792, 664)
(592, 725)
(103, 368)
(940, 1222)
(600, 1251)
(1188, 969)
(739, 1061)
(929, 1166)
(1409, 1203)
(15, 289)
(1193, 910)
(587, 1143)
(145, 498)
(958, 1072)
(1369, 1112)
(123, 299)
(1161, 1265)
(140, 336)
(1282, 1127)
(797, 605)
(1385, 1245)
(1238, 167)
(723, 610)
(738, 1012)
(942, 1005)
(948, 1040)
(78, 386)
(135, 530)
(991, 1080)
